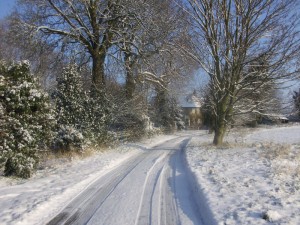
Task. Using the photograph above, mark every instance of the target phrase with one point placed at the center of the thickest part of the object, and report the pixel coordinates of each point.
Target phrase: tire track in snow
(81, 209)
(161, 178)
(144, 215)
(155, 176)
(168, 206)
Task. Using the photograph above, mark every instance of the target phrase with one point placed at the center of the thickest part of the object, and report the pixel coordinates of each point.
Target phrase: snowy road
(149, 188)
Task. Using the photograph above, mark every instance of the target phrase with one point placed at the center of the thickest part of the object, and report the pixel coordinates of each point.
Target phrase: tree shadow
(188, 195)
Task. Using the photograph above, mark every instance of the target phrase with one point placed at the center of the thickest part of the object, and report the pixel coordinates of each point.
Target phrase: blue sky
(6, 7)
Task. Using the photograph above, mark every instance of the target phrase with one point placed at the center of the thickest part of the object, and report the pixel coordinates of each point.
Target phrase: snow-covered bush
(98, 116)
(69, 138)
(129, 115)
(26, 119)
(167, 112)
(176, 114)
(70, 113)
(3, 122)
(69, 97)
(83, 111)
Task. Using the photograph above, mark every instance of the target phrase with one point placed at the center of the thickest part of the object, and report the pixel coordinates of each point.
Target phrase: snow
(36, 200)
(272, 216)
(253, 179)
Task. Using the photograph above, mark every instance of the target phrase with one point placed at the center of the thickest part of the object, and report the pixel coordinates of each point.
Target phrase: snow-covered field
(254, 180)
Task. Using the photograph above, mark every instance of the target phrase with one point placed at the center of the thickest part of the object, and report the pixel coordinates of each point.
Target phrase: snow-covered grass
(58, 181)
(253, 179)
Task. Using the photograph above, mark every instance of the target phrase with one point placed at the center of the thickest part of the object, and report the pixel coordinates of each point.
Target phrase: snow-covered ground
(38, 199)
(254, 180)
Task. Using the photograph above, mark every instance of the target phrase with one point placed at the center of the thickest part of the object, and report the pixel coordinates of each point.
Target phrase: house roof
(190, 101)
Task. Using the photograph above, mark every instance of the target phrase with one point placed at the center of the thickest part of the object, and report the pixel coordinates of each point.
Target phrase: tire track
(168, 206)
(155, 177)
(81, 209)
(161, 176)
(144, 215)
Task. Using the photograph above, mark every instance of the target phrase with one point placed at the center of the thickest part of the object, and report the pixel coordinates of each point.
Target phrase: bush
(26, 119)
(132, 124)
(79, 112)
(167, 112)
(20, 165)
(98, 117)
(69, 138)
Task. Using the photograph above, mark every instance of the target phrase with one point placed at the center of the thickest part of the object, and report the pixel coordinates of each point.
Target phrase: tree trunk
(219, 135)
(221, 120)
(130, 85)
(220, 127)
(130, 82)
(98, 76)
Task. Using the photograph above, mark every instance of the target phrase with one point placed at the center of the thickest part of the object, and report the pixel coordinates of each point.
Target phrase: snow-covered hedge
(26, 119)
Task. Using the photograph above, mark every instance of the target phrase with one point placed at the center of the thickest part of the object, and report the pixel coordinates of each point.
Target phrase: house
(274, 119)
(191, 108)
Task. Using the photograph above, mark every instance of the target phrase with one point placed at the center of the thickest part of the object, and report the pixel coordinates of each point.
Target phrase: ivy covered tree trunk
(162, 113)
(130, 85)
(168, 113)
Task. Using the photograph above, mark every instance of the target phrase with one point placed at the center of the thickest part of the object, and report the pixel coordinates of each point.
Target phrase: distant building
(191, 107)
(274, 118)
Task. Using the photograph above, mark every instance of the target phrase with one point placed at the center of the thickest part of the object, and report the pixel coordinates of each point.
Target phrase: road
(149, 188)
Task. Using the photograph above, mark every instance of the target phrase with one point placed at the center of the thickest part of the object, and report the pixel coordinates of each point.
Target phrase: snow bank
(255, 181)
(203, 204)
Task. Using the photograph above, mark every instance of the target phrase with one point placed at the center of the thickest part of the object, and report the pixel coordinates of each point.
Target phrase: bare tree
(149, 41)
(98, 28)
(17, 46)
(87, 26)
(229, 37)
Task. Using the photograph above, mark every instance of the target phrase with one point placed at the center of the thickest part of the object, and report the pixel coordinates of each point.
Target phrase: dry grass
(230, 145)
(273, 151)
(47, 158)
(285, 164)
